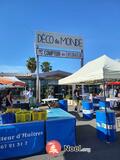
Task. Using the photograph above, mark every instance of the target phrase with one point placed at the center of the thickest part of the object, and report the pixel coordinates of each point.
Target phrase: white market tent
(100, 69)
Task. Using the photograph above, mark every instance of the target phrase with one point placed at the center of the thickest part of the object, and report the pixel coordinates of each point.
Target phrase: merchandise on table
(13, 110)
(39, 115)
(7, 118)
(16, 115)
(23, 116)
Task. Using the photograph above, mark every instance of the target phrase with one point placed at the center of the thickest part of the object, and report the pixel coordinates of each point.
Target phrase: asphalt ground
(86, 137)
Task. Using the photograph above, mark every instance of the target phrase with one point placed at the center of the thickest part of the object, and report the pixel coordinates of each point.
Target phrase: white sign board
(60, 54)
(55, 40)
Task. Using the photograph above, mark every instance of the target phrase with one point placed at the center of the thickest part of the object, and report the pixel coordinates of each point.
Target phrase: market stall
(114, 102)
(24, 133)
(102, 70)
(13, 83)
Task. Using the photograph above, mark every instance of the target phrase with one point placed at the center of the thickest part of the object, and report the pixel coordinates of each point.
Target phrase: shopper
(76, 98)
(0, 102)
(50, 95)
(9, 101)
(117, 92)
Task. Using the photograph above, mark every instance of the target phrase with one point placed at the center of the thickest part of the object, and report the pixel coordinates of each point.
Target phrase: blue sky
(96, 21)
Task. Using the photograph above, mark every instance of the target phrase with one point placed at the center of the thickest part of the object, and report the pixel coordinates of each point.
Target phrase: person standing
(0, 102)
(117, 92)
(9, 101)
(29, 95)
(63, 93)
(76, 98)
(50, 95)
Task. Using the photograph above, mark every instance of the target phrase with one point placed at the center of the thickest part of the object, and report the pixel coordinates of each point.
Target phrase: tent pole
(104, 95)
(112, 90)
(73, 88)
(82, 58)
(83, 91)
(104, 89)
(37, 81)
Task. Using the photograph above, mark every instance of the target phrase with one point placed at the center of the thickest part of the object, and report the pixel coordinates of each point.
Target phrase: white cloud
(13, 69)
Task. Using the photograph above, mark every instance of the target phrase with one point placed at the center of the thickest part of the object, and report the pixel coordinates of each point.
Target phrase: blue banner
(23, 139)
(61, 126)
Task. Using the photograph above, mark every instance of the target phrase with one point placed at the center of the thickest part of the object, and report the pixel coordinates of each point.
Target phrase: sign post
(57, 45)
(37, 82)
(82, 58)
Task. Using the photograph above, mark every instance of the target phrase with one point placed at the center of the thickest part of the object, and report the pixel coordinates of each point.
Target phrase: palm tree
(31, 64)
(46, 67)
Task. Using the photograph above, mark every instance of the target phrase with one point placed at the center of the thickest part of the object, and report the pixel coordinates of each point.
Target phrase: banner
(23, 139)
(60, 54)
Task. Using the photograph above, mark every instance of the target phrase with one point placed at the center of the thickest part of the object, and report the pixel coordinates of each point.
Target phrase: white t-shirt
(28, 94)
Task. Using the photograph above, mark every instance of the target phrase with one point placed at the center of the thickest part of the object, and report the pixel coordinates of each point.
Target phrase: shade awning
(4, 80)
(102, 68)
(12, 81)
(113, 83)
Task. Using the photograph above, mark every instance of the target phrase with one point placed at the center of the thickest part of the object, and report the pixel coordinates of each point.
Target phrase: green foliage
(46, 67)
(31, 64)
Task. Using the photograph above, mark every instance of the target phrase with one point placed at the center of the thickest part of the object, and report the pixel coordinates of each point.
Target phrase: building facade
(48, 82)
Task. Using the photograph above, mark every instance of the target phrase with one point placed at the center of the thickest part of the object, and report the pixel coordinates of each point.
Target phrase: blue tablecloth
(105, 125)
(63, 104)
(61, 126)
(58, 113)
(24, 139)
(21, 139)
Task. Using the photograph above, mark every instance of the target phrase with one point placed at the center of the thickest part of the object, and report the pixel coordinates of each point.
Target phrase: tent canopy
(11, 81)
(113, 83)
(102, 68)
(4, 80)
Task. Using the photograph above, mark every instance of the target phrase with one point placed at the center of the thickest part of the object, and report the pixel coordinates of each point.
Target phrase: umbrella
(4, 80)
(12, 81)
